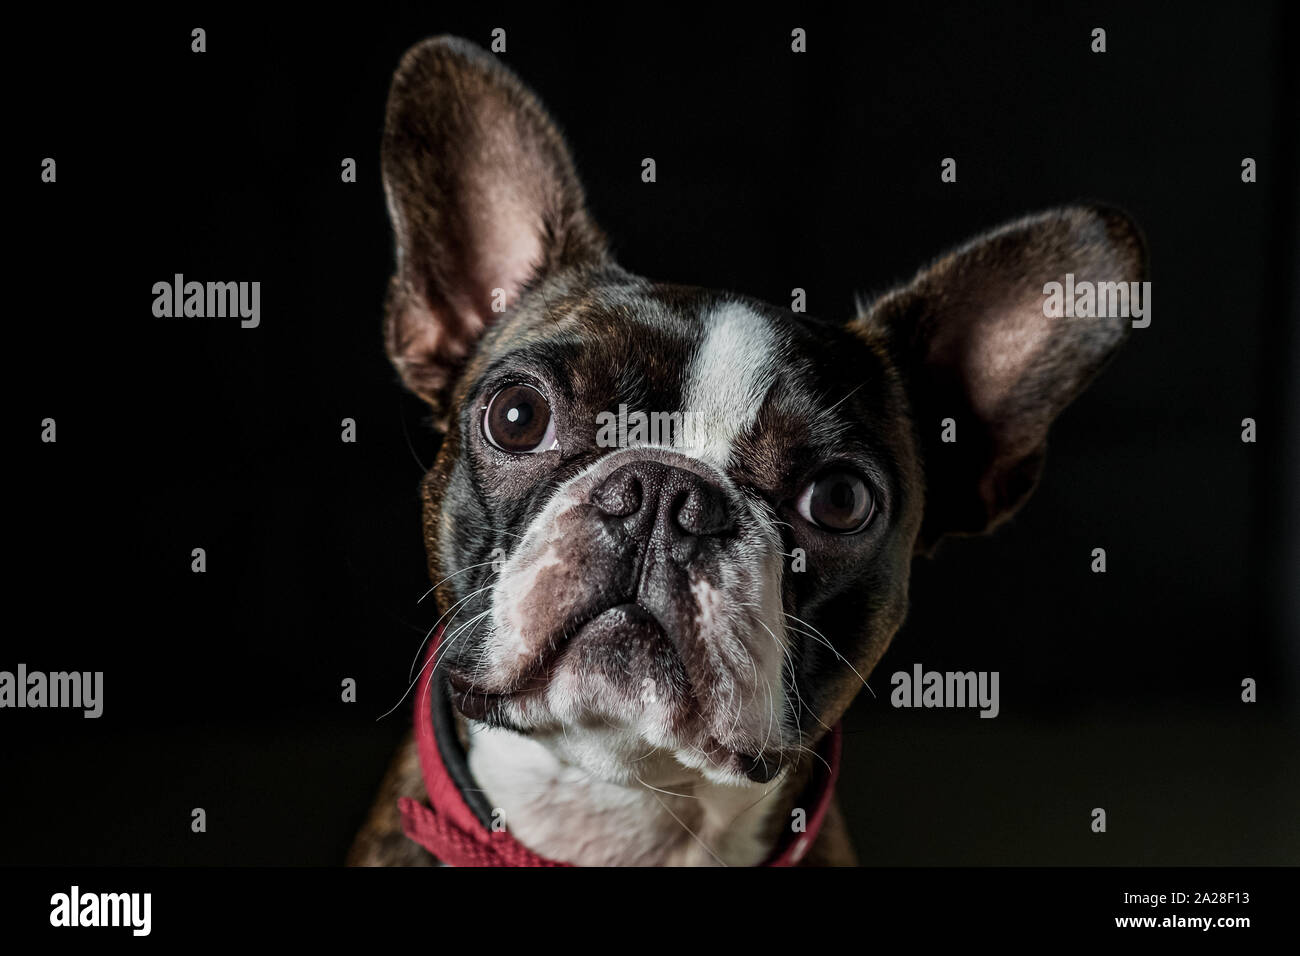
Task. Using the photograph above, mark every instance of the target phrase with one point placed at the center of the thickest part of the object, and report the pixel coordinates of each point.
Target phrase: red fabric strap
(450, 830)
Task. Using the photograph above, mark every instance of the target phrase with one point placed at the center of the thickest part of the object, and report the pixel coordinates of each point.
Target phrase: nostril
(701, 511)
(620, 495)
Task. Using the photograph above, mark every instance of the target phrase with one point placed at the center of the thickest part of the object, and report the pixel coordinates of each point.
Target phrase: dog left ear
(975, 344)
(484, 201)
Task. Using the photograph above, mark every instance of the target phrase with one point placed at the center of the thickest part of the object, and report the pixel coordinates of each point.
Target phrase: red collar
(459, 835)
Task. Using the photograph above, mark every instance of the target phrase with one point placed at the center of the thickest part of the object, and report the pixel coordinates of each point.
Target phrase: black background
(775, 170)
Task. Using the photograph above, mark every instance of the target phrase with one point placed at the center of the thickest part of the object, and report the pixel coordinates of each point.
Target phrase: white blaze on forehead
(730, 374)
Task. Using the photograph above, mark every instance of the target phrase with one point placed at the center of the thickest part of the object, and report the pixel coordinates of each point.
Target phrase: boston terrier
(648, 637)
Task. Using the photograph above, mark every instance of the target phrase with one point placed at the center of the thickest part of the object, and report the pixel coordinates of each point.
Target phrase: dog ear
(975, 343)
(483, 197)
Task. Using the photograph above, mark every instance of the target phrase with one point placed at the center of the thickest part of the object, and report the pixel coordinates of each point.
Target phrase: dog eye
(837, 501)
(518, 419)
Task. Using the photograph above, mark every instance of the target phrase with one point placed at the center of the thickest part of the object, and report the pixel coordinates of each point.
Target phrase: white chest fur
(563, 812)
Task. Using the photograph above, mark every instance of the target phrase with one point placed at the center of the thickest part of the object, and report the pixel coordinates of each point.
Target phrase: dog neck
(563, 812)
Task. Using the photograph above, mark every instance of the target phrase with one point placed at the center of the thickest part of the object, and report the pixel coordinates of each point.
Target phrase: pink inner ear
(504, 219)
(1000, 350)
(504, 249)
(508, 249)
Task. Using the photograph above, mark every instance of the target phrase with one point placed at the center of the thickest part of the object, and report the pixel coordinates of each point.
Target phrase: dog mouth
(627, 622)
(622, 664)
(625, 642)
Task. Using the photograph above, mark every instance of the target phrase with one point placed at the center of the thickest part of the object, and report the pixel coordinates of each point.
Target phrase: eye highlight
(838, 501)
(517, 419)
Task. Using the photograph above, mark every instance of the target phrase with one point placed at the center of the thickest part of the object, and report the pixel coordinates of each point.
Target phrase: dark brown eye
(518, 420)
(837, 501)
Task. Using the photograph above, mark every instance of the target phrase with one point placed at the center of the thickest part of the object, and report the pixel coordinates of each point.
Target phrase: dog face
(708, 595)
(644, 598)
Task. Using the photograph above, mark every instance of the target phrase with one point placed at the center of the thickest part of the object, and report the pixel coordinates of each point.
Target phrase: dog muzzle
(456, 825)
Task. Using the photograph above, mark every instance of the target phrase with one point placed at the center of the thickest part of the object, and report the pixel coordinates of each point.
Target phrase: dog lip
(460, 684)
(633, 609)
(577, 626)
(478, 704)
(473, 697)
(626, 614)
(536, 677)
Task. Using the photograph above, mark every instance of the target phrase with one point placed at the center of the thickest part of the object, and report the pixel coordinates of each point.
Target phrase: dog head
(671, 528)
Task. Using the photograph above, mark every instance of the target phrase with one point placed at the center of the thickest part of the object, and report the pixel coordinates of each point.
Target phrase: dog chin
(628, 756)
(628, 728)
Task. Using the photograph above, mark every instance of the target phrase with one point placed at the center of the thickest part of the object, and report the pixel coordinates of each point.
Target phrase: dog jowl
(646, 643)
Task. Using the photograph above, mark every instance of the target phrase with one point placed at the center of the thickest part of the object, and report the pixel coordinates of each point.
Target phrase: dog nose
(649, 495)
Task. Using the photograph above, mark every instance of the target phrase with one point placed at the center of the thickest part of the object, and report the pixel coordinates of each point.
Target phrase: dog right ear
(977, 350)
(484, 201)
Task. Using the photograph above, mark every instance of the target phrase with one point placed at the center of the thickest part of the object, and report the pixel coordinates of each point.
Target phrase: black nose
(651, 498)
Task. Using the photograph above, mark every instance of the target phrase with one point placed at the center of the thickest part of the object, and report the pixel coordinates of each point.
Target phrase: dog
(646, 645)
